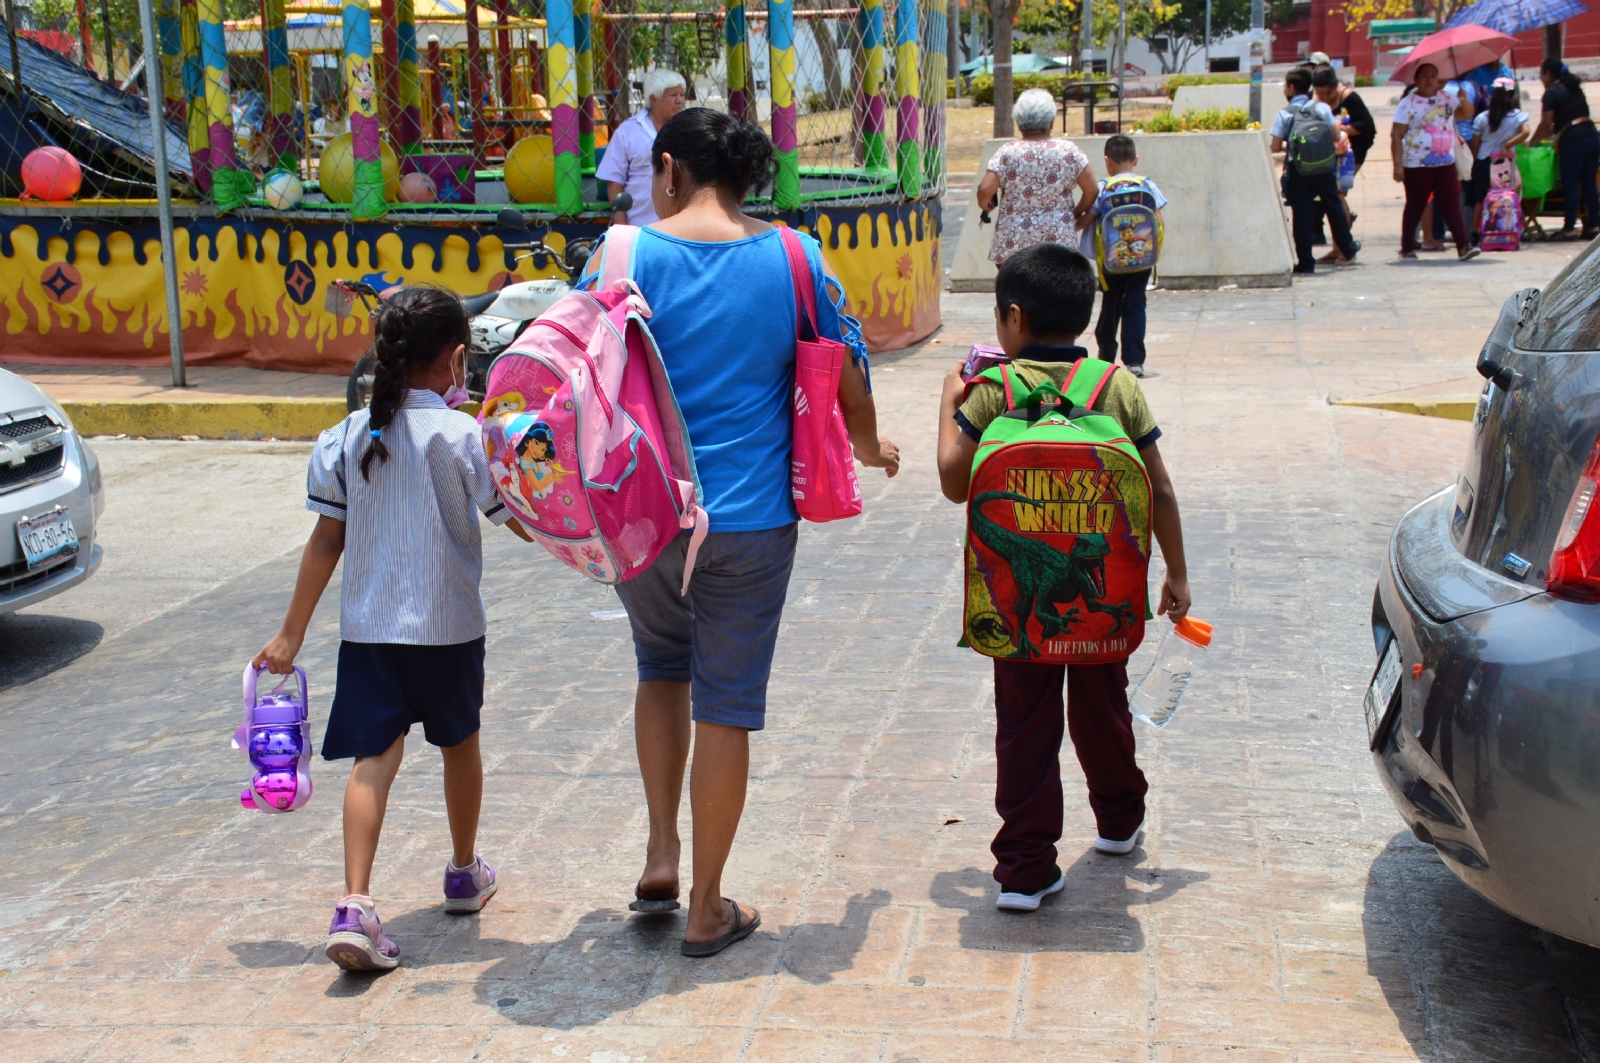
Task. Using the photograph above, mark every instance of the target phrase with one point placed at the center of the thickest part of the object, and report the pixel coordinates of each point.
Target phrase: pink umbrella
(1454, 52)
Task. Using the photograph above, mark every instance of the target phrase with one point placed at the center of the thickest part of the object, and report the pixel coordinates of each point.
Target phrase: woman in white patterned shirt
(1034, 179)
(397, 489)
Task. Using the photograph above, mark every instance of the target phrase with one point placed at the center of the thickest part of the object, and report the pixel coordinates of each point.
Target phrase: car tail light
(1575, 561)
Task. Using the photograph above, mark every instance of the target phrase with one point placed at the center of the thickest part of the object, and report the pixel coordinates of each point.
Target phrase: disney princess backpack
(1058, 527)
(1500, 222)
(585, 441)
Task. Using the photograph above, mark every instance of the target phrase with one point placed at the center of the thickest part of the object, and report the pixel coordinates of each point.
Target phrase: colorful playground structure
(292, 138)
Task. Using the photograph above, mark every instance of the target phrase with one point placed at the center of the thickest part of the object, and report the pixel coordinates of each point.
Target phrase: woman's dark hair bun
(717, 149)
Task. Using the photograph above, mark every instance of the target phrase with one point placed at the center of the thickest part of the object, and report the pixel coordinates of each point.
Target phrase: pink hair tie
(1505, 83)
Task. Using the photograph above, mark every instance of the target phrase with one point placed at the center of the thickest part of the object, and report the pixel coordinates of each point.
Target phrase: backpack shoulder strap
(805, 293)
(616, 260)
(1087, 379)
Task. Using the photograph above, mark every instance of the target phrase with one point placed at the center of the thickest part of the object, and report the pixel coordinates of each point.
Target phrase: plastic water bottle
(1182, 650)
(276, 735)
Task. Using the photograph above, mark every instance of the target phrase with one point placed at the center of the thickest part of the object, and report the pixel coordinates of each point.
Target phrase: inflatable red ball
(51, 174)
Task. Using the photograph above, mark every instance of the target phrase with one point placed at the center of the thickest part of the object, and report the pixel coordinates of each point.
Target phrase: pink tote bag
(822, 471)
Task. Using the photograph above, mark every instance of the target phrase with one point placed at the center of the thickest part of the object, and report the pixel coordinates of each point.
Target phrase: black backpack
(1311, 141)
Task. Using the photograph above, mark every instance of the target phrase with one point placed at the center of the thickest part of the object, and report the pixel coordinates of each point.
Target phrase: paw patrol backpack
(1058, 527)
(1127, 232)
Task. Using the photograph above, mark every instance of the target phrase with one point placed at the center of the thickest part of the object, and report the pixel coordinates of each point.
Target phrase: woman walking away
(1423, 143)
(1034, 180)
(397, 488)
(1565, 121)
(1496, 131)
(723, 312)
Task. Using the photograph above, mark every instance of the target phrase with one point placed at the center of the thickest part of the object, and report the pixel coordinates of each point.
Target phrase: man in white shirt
(626, 165)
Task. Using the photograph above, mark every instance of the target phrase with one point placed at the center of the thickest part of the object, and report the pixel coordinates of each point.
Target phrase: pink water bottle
(276, 735)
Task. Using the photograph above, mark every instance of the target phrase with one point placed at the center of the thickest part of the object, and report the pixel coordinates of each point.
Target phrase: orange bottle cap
(1191, 630)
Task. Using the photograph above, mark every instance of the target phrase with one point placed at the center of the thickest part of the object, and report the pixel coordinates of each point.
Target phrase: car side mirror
(511, 218)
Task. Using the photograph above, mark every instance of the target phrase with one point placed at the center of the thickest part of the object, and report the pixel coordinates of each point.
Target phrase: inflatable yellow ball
(337, 170)
(531, 171)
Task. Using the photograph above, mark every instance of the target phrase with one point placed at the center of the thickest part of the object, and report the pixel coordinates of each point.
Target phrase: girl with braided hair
(397, 488)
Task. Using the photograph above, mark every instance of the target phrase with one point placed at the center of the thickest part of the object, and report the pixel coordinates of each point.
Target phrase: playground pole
(584, 51)
(785, 116)
(474, 87)
(561, 65)
(736, 39)
(406, 124)
(16, 64)
(908, 87)
(154, 97)
(875, 149)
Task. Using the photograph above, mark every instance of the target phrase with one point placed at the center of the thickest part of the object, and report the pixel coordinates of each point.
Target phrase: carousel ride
(316, 142)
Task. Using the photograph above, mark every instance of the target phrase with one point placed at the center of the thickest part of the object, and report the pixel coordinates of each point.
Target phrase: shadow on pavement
(1099, 894)
(1467, 981)
(32, 646)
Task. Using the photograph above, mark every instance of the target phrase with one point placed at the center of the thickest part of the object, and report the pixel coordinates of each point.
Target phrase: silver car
(1483, 715)
(50, 497)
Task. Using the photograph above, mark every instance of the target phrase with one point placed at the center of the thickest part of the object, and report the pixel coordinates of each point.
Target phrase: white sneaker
(1029, 902)
(1122, 848)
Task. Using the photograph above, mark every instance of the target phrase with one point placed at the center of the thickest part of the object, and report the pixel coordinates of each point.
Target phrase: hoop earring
(671, 191)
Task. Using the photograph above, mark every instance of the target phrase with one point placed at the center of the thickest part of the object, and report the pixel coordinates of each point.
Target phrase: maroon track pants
(1027, 745)
(1444, 185)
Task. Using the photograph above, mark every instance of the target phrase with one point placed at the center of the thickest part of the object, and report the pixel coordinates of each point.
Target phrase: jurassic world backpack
(1127, 236)
(1058, 527)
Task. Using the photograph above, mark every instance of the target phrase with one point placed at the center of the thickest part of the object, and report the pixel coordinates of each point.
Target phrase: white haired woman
(1034, 179)
(626, 166)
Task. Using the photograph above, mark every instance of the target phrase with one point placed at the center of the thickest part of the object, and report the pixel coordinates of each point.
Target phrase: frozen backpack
(276, 736)
(1500, 221)
(1058, 527)
(1127, 236)
(586, 444)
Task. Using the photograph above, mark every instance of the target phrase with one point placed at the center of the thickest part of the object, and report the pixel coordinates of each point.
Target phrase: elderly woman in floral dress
(1034, 179)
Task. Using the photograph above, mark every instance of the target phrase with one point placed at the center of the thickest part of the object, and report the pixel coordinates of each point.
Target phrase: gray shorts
(721, 637)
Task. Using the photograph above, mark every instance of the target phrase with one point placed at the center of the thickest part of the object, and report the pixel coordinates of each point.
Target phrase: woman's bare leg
(716, 798)
(661, 736)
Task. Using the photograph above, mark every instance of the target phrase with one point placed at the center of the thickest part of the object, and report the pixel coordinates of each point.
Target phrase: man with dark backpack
(1307, 135)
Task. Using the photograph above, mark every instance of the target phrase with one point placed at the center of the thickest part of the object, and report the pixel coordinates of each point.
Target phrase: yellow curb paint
(1449, 409)
(219, 419)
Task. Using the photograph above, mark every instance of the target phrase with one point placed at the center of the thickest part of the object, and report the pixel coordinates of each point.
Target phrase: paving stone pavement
(1275, 912)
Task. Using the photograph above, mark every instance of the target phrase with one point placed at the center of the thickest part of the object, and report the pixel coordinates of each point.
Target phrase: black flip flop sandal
(701, 949)
(656, 900)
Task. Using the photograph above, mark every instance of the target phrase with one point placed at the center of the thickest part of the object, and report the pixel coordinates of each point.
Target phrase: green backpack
(1058, 527)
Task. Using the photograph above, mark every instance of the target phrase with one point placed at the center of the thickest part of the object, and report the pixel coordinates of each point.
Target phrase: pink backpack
(584, 438)
(1500, 220)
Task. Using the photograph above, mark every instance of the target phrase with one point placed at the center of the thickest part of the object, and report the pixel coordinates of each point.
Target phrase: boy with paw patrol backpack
(1127, 243)
(1055, 456)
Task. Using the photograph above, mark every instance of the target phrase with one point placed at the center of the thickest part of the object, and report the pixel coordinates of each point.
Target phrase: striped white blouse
(413, 555)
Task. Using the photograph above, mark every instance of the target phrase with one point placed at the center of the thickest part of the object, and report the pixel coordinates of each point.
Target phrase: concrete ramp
(1224, 218)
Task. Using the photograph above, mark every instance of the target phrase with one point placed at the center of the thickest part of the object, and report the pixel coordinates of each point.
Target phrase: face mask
(456, 394)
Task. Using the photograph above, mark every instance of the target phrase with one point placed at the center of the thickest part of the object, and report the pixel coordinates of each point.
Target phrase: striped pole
(169, 23)
(194, 92)
(934, 88)
(741, 100)
(366, 201)
(561, 40)
(785, 120)
(908, 88)
(875, 149)
(280, 92)
(406, 124)
(436, 86)
(231, 187)
(584, 48)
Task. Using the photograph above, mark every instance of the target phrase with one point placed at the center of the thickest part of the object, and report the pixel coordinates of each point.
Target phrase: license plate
(47, 537)
(1384, 682)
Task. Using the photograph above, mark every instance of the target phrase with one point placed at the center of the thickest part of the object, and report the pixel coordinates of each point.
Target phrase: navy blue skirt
(384, 688)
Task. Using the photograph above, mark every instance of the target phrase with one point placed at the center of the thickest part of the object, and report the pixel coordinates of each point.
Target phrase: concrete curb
(1449, 409)
(208, 419)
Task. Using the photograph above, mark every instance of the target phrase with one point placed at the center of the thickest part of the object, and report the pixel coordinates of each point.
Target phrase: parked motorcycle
(497, 317)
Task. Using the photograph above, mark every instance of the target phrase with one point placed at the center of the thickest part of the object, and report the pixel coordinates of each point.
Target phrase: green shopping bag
(1538, 168)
